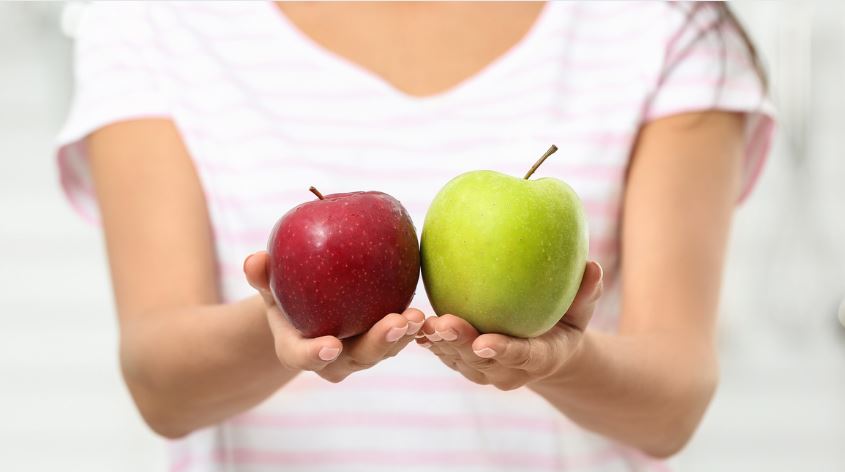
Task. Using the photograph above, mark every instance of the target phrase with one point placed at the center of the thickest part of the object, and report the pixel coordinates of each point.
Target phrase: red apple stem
(316, 192)
(548, 153)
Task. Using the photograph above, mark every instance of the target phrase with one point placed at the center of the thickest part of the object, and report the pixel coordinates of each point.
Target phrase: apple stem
(316, 192)
(539, 161)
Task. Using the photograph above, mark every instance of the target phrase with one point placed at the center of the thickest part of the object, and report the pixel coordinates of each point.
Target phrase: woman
(195, 126)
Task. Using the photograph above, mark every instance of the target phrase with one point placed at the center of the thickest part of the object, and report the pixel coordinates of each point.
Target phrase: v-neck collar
(339, 64)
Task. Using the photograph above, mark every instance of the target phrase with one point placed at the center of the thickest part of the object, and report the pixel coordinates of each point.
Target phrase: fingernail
(396, 333)
(433, 337)
(601, 271)
(425, 344)
(485, 353)
(448, 335)
(413, 327)
(329, 353)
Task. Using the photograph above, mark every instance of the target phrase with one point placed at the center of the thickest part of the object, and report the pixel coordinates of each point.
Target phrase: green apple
(506, 254)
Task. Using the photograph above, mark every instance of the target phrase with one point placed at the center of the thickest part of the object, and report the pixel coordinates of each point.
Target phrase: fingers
(532, 355)
(444, 335)
(294, 351)
(581, 310)
(450, 328)
(453, 339)
(298, 353)
(508, 351)
(509, 362)
(415, 318)
(314, 354)
(385, 338)
(255, 269)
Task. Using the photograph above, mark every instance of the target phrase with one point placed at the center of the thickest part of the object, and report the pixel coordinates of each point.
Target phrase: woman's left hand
(508, 362)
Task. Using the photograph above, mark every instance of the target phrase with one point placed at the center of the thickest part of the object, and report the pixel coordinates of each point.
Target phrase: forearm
(193, 367)
(645, 390)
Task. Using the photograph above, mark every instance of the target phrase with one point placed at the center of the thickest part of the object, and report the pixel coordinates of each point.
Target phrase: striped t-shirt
(265, 112)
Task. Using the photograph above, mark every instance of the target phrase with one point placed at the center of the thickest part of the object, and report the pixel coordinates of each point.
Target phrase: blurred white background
(781, 403)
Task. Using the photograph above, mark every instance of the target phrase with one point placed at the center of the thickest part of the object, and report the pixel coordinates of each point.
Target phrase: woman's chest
(270, 107)
(258, 163)
(258, 154)
(265, 116)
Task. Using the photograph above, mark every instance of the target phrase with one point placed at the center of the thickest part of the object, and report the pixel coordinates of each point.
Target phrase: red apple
(341, 263)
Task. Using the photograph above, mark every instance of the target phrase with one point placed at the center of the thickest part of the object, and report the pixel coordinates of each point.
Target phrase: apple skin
(504, 253)
(340, 264)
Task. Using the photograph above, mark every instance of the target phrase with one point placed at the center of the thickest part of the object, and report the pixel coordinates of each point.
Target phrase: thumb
(581, 311)
(255, 269)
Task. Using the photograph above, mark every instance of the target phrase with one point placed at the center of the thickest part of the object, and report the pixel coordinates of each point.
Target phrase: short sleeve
(115, 79)
(708, 66)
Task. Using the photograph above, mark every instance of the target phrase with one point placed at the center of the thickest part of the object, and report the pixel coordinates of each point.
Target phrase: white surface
(780, 405)
(62, 403)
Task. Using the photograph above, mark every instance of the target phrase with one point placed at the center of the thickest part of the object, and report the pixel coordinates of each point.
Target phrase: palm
(507, 362)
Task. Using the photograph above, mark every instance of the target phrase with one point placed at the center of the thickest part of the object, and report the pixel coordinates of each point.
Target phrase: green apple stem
(316, 192)
(539, 161)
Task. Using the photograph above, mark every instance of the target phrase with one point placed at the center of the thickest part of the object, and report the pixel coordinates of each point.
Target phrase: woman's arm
(649, 385)
(188, 360)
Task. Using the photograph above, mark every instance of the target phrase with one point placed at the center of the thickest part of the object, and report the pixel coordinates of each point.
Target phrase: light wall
(781, 404)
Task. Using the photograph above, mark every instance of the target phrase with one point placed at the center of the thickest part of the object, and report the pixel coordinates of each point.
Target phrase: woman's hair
(724, 23)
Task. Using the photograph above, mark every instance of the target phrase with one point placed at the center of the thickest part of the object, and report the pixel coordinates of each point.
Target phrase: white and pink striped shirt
(265, 112)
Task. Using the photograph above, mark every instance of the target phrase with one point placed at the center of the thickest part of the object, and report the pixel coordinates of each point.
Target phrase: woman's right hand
(328, 356)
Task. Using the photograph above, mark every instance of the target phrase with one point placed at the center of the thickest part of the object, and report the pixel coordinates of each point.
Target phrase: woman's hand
(507, 362)
(331, 358)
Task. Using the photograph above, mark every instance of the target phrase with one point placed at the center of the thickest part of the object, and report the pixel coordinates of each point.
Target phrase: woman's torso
(266, 111)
